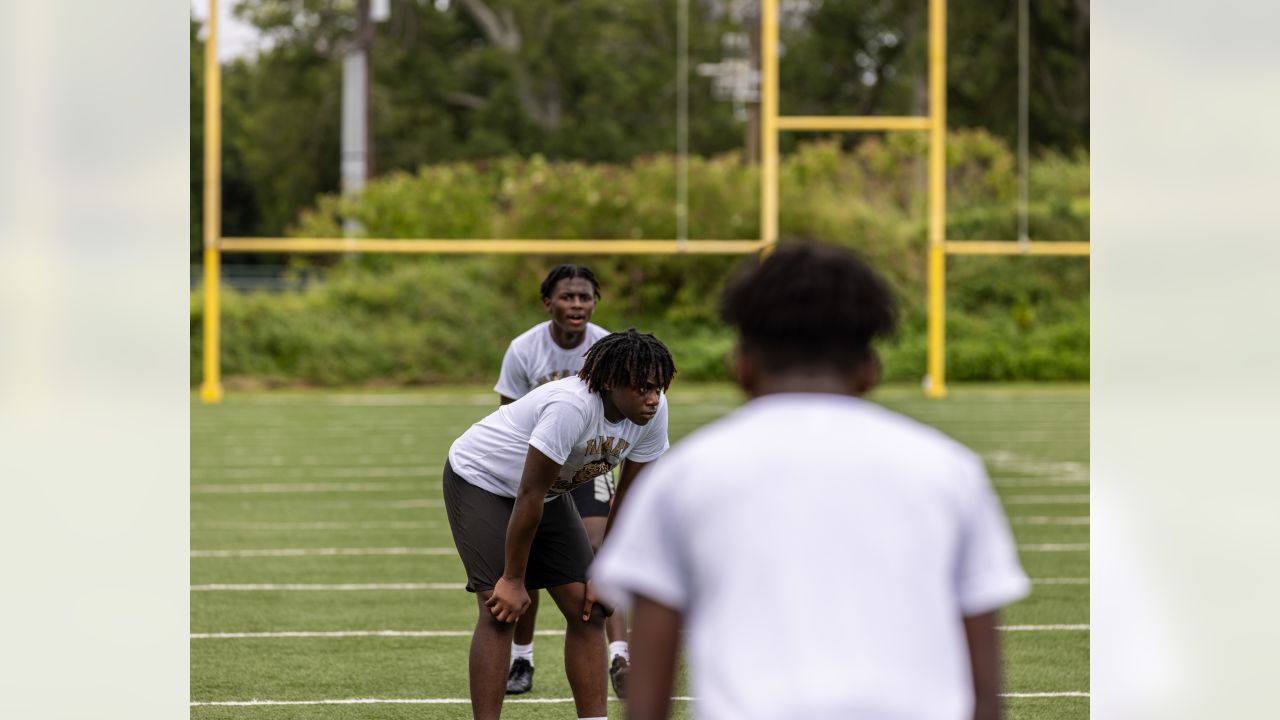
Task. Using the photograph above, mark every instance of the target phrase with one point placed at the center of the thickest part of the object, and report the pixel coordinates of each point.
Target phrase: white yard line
(295, 634)
(1041, 628)
(368, 525)
(292, 587)
(529, 701)
(317, 472)
(1047, 500)
(218, 587)
(298, 487)
(345, 634)
(1055, 547)
(1060, 581)
(322, 552)
(1049, 520)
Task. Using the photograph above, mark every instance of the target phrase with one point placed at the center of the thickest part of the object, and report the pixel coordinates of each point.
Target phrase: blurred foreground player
(505, 483)
(551, 350)
(868, 553)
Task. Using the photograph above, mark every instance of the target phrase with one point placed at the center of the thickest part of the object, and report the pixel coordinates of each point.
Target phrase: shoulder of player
(530, 337)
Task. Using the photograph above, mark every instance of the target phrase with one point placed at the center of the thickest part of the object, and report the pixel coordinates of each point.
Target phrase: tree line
(595, 81)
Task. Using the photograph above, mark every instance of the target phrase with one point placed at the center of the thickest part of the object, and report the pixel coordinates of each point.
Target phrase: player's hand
(508, 601)
(589, 598)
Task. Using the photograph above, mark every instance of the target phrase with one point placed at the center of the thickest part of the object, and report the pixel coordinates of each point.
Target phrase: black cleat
(618, 676)
(520, 677)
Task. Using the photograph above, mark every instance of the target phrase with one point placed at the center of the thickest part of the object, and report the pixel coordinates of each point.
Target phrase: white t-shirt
(534, 359)
(565, 421)
(823, 552)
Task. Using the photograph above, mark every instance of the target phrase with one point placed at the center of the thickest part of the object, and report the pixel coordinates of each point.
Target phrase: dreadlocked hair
(627, 359)
(560, 272)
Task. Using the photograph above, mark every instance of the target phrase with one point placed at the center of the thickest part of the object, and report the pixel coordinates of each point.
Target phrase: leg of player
(490, 651)
(615, 626)
(583, 650)
(520, 676)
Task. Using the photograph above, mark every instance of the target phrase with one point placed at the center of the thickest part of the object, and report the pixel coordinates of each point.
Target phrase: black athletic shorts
(478, 518)
(592, 498)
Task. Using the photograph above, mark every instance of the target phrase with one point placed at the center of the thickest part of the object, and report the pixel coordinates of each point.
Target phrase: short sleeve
(559, 425)
(988, 574)
(646, 553)
(653, 439)
(513, 380)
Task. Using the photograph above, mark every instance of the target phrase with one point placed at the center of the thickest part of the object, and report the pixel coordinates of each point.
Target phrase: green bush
(407, 320)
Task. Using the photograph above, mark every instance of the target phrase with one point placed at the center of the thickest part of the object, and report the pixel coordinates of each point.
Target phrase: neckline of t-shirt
(585, 331)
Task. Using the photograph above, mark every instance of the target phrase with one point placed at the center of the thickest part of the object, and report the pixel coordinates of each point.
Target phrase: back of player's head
(627, 359)
(560, 272)
(809, 306)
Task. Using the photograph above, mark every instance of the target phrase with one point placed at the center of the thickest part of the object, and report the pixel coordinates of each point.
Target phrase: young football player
(867, 552)
(548, 351)
(505, 483)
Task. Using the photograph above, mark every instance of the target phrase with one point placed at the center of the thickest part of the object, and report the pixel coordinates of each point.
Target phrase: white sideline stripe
(1050, 520)
(345, 634)
(292, 634)
(1041, 628)
(507, 701)
(1047, 500)
(1055, 547)
(369, 525)
(340, 586)
(1060, 581)
(321, 552)
(237, 488)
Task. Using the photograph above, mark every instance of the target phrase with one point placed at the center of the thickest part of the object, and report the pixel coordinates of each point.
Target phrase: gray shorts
(478, 518)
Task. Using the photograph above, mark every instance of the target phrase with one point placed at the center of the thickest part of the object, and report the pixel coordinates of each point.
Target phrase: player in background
(505, 483)
(548, 351)
(868, 553)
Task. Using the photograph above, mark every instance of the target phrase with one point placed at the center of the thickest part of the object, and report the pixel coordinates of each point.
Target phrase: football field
(324, 583)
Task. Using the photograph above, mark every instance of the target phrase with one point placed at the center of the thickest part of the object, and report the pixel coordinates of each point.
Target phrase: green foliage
(404, 319)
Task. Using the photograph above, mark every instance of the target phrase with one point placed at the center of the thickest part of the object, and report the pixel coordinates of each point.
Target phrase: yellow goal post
(771, 124)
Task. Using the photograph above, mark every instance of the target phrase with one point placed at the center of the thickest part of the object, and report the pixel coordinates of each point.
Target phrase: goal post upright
(935, 385)
(211, 388)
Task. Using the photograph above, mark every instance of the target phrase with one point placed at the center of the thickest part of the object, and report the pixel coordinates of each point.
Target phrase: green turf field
(322, 568)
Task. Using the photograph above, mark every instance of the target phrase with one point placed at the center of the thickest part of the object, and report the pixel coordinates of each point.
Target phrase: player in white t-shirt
(866, 552)
(505, 483)
(549, 351)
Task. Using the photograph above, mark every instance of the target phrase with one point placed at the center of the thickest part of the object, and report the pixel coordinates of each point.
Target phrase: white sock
(594, 718)
(619, 648)
(522, 651)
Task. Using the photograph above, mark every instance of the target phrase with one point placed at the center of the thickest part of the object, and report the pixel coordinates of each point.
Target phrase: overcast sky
(235, 38)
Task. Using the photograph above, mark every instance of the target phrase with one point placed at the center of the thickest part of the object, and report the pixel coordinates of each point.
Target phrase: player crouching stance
(505, 492)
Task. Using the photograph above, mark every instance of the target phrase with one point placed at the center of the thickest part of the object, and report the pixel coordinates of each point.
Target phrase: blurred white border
(93, 359)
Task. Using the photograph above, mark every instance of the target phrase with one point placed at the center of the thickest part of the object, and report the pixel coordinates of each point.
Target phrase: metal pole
(768, 125)
(682, 127)
(355, 116)
(1024, 121)
(211, 389)
(935, 381)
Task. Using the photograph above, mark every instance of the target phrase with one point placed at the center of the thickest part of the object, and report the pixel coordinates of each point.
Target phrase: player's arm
(504, 400)
(655, 635)
(984, 660)
(630, 468)
(510, 599)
